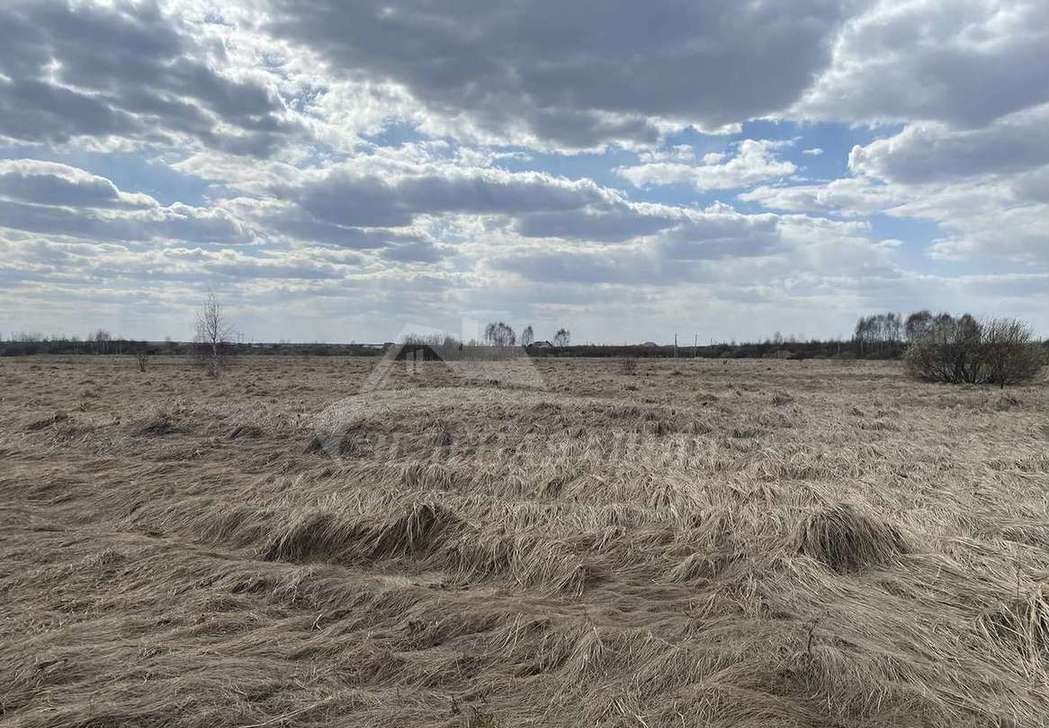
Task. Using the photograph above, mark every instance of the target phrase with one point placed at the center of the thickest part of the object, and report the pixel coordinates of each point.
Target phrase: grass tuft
(847, 540)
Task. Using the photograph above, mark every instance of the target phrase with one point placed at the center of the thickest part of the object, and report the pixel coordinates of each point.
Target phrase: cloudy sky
(346, 170)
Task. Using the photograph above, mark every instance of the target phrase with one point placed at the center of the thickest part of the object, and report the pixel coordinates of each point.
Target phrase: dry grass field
(670, 543)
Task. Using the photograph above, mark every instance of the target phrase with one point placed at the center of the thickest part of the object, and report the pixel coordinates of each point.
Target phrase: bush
(966, 351)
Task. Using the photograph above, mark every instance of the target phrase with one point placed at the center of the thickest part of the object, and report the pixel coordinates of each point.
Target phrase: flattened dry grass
(737, 544)
(848, 540)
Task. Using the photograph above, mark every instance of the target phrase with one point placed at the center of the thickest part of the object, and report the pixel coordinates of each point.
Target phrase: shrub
(966, 351)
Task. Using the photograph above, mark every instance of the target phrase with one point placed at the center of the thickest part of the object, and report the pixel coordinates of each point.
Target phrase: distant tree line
(496, 334)
(876, 336)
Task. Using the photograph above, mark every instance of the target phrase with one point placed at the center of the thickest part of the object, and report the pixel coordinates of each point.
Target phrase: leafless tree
(142, 359)
(101, 340)
(499, 334)
(527, 336)
(917, 325)
(878, 332)
(213, 336)
(563, 337)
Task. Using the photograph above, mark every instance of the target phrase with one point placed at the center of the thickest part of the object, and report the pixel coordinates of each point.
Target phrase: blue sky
(354, 171)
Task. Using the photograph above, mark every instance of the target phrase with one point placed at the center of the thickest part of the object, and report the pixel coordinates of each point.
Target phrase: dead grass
(739, 543)
(847, 540)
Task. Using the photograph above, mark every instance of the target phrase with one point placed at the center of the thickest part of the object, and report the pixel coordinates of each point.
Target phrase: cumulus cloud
(345, 198)
(376, 202)
(983, 220)
(755, 160)
(56, 199)
(936, 153)
(705, 245)
(123, 71)
(175, 222)
(571, 76)
(49, 183)
(963, 63)
(848, 196)
(412, 159)
(719, 232)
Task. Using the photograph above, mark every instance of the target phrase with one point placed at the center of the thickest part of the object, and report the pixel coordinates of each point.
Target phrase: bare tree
(101, 341)
(918, 324)
(213, 336)
(527, 336)
(142, 359)
(499, 334)
(878, 332)
(563, 337)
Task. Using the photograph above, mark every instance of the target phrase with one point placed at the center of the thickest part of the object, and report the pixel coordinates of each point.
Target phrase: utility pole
(675, 345)
(695, 345)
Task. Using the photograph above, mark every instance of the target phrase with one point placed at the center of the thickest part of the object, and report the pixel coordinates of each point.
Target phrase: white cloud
(847, 196)
(964, 63)
(755, 161)
(56, 199)
(49, 183)
(935, 152)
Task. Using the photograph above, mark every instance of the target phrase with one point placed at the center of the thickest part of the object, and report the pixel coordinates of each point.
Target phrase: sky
(345, 170)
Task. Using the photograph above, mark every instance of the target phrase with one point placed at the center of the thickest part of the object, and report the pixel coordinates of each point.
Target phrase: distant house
(541, 345)
(650, 345)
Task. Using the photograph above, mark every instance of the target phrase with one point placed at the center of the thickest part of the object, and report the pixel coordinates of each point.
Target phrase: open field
(670, 543)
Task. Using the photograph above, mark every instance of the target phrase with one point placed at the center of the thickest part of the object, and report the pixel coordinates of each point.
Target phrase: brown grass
(847, 540)
(743, 543)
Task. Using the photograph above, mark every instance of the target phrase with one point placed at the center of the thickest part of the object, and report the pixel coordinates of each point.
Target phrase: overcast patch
(576, 75)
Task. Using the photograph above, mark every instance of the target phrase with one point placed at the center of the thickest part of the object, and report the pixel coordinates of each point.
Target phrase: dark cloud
(125, 70)
(344, 198)
(577, 74)
(298, 225)
(614, 224)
